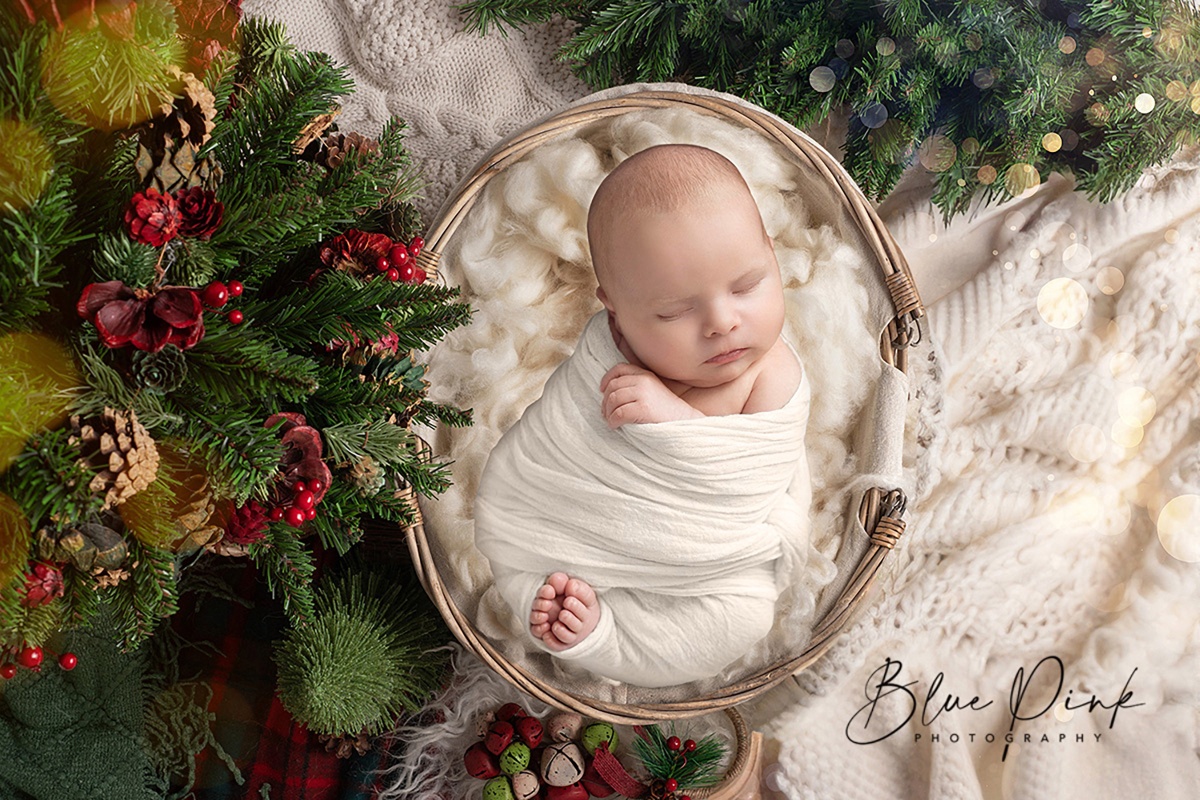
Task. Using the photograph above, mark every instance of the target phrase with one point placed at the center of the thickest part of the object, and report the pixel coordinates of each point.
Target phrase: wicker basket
(880, 511)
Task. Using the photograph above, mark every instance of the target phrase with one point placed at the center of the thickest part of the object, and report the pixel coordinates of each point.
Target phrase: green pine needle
(694, 770)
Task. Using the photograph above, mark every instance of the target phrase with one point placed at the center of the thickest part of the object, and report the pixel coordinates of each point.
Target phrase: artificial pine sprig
(693, 768)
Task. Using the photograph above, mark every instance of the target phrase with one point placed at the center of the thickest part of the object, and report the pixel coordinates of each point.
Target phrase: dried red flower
(152, 217)
(355, 252)
(42, 586)
(200, 212)
(247, 525)
(301, 459)
(146, 320)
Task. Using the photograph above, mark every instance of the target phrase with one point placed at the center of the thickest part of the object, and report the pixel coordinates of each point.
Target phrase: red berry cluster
(400, 263)
(681, 748)
(217, 294)
(31, 658)
(303, 506)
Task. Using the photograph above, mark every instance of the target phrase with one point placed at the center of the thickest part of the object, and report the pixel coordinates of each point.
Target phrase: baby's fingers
(616, 372)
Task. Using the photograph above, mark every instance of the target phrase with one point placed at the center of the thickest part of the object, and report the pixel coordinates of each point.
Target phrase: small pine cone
(169, 144)
(308, 144)
(110, 577)
(88, 546)
(339, 145)
(117, 445)
(195, 510)
(368, 477)
(346, 744)
(160, 372)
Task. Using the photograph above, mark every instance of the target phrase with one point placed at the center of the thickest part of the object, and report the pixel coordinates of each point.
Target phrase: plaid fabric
(278, 758)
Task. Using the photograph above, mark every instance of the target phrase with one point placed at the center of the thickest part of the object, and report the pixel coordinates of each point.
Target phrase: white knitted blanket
(1057, 508)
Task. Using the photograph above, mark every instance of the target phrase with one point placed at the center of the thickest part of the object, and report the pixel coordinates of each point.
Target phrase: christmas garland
(989, 96)
(209, 300)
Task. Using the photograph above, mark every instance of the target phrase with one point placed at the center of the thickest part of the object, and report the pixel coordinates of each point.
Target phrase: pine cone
(121, 449)
(195, 507)
(89, 546)
(340, 145)
(160, 372)
(308, 144)
(111, 577)
(346, 744)
(169, 143)
(368, 477)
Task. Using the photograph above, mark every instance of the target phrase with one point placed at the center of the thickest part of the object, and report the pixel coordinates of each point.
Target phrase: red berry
(30, 657)
(420, 276)
(685, 797)
(399, 255)
(671, 784)
(216, 294)
(68, 661)
(689, 745)
(304, 500)
(236, 317)
(294, 516)
(235, 288)
(673, 743)
(407, 273)
(310, 514)
(8, 671)
(383, 263)
(276, 513)
(416, 246)
(316, 486)
(394, 274)
(299, 486)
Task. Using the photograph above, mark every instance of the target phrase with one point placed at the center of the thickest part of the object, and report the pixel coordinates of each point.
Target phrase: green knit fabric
(77, 734)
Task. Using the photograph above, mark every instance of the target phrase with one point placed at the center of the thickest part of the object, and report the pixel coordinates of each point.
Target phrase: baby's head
(684, 264)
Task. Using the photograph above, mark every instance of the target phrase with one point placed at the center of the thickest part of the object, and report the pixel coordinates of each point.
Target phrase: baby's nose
(722, 319)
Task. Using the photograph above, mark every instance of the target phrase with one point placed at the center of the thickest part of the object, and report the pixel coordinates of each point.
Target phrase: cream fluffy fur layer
(522, 261)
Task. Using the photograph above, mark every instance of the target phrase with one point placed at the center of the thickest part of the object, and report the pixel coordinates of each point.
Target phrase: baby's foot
(564, 612)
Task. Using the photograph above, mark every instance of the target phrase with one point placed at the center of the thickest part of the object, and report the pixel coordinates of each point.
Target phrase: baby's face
(696, 293)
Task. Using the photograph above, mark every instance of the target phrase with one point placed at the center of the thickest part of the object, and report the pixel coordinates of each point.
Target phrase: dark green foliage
(307, 344)
(988, 72)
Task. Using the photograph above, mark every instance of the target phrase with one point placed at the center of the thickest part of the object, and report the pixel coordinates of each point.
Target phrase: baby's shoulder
(778, 377)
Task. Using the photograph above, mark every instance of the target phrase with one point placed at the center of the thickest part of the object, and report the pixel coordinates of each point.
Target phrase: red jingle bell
(573, 791)
(480, 763)
(530, 730)
(500, 736)
(506, 712)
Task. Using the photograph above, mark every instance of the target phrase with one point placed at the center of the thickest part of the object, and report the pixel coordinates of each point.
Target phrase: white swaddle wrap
(687, 530)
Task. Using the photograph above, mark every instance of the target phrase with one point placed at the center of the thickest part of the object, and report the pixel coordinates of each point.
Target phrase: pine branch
(288, 569)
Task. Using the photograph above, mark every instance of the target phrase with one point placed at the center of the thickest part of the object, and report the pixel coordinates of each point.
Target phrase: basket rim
(893, 350)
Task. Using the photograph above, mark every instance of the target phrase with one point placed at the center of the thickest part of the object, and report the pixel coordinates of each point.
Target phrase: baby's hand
(633, 394)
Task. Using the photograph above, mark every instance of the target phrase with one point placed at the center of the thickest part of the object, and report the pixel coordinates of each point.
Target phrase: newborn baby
(694, 312)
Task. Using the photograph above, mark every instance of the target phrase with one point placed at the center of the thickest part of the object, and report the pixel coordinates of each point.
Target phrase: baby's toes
(539, 629)
(563, 633)
(545, 605)
(558, 581)
(539, 618)
(547, 592)
(581, 590)
(573, 623)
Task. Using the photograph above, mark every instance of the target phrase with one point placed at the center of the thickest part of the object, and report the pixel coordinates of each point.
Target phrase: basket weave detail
(428, 260)
(904, 294)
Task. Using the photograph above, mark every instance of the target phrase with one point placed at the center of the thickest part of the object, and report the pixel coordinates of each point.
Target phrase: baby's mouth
(727, 357)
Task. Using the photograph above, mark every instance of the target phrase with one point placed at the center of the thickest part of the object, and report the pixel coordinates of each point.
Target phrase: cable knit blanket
(1054, 440)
